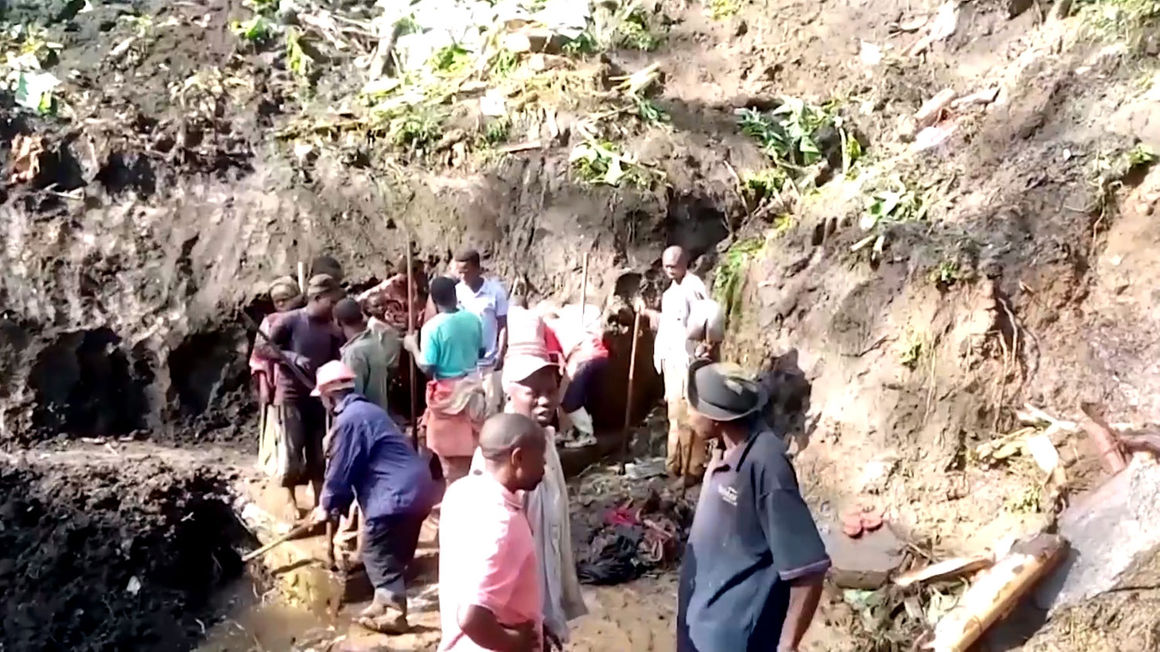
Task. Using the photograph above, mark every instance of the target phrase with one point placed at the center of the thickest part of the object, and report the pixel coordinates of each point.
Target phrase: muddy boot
(580, 440)
(385, 618)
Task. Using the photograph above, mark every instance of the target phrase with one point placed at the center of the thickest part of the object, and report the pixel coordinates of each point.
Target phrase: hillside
(923, 215)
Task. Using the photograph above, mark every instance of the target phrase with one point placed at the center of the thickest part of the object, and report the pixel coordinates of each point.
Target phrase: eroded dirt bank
(111, 551)
(165, 202)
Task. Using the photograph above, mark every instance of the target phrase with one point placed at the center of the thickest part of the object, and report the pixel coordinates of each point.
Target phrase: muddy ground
(186, 169)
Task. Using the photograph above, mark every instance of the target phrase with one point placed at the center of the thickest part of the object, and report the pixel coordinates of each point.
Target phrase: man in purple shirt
(372, 461)
(301, 342)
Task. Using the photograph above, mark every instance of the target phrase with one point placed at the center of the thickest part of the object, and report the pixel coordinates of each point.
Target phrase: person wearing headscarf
(285, 295)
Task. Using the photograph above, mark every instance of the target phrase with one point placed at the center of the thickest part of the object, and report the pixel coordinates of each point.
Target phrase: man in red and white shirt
(585, 359)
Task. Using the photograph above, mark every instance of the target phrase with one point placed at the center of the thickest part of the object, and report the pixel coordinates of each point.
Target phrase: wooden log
(624, 450)
(996, 592)
(410, 331)
(944, 570)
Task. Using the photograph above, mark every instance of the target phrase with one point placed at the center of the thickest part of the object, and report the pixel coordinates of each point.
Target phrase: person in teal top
(452, 342)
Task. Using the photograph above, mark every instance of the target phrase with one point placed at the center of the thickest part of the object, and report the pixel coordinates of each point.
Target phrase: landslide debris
(109, 555)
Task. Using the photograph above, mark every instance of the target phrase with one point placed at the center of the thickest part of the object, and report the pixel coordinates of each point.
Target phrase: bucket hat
(723, 391)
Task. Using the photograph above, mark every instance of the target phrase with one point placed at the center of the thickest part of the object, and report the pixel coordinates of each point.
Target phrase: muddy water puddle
(638, 616)
(259, 621)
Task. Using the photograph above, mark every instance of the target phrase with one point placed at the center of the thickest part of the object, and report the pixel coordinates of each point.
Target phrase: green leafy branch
(599, 162)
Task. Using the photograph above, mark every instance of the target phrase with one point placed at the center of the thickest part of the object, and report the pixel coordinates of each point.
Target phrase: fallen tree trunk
(996, 592)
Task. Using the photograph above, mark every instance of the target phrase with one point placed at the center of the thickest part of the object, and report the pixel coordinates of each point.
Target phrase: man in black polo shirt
(752, 573)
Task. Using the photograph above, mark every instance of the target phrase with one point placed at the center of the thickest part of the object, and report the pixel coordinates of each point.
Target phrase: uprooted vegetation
(506, 89)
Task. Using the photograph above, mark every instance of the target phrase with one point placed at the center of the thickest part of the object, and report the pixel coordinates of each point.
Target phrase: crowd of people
(506, 385)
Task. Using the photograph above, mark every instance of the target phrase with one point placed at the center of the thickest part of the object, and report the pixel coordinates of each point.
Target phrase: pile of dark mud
(111, 556)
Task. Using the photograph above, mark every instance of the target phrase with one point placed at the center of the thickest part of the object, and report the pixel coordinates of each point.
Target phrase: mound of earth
(111, 556)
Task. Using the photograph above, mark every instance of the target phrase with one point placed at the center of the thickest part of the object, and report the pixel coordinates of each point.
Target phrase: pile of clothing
(631, 542)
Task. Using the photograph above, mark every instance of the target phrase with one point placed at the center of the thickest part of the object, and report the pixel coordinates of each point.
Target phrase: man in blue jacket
(370, 460)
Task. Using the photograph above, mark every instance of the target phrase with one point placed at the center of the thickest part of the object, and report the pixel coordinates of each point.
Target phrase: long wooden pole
(302, 277)
(628, 399)
(411, 330)
(584, 293)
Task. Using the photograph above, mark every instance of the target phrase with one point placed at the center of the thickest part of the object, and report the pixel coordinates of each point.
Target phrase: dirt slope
(919, 292)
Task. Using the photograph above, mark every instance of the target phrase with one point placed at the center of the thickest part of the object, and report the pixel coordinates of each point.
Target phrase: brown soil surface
(187, 169)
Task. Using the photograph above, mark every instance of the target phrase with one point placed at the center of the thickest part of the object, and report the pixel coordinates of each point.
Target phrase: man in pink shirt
(489, 583)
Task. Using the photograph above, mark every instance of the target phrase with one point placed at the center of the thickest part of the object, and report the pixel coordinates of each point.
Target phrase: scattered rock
(1112, 530)
(866, 562)
(907, 128)
(870, 54)
(932, 137)
(876, 473)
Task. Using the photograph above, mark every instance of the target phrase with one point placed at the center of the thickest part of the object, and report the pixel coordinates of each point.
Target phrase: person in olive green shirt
(371, 355)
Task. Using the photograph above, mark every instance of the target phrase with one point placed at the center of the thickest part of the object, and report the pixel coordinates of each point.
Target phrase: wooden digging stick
(411, 330)
(302, 277)
(628, 398)
(278, 353)
(295, 531)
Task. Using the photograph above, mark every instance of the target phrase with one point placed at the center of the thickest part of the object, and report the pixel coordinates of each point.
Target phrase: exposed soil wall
(152, 223)
(109, 555)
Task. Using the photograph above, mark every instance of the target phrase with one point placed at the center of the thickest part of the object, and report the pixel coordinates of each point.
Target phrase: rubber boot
(582, 422)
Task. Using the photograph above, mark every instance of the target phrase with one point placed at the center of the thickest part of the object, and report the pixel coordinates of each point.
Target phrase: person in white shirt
(673, 350)
(487, 299)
